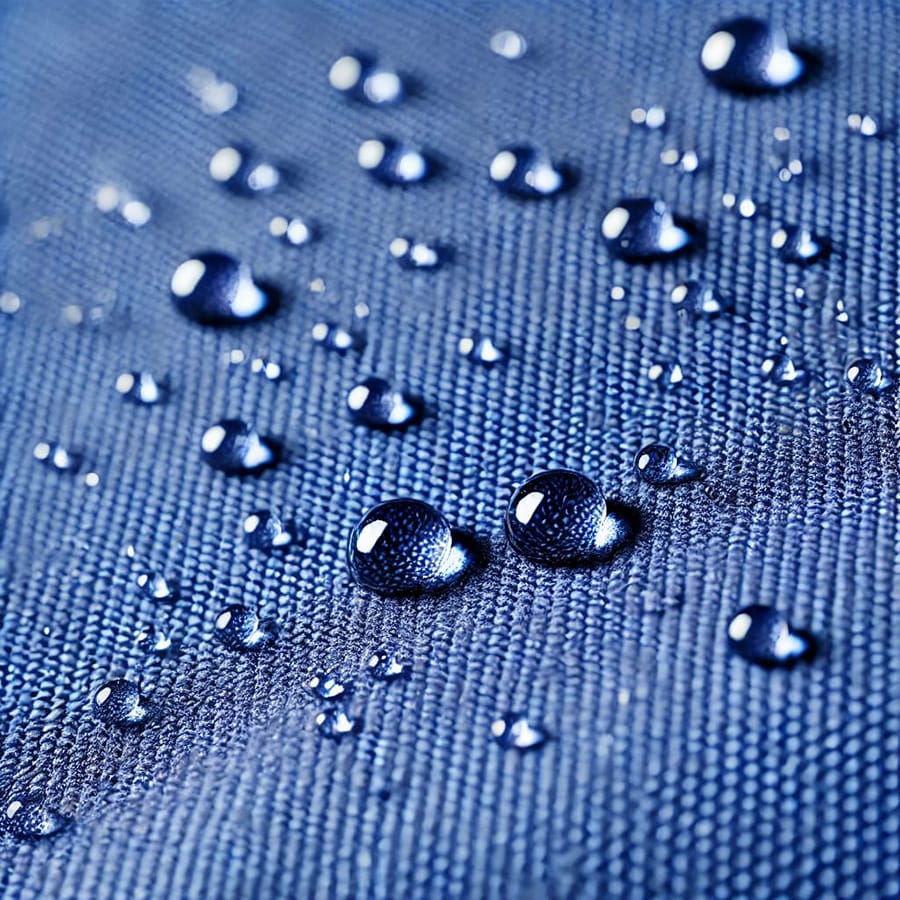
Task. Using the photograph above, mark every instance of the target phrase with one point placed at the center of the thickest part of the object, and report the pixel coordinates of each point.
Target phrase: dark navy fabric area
(676, 769)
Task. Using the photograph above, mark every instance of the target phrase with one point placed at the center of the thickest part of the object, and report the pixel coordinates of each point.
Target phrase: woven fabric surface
(675, 768)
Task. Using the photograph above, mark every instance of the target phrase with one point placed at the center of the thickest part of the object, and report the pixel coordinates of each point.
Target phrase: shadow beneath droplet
(618, 531)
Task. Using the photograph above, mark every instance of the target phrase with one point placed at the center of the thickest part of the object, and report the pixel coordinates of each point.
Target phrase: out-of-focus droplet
(863, 125)
(481, 349)
(642, 230)
(119, 702)
(216, 95)
(266, 368)
(157, 587)
(799, 245)
(386, 664)
(866, 375)
(508, 43)
(701, 299)
(142, 388)
(240, 171)
(113, 200)
(413, 254)
(361, 77)
(334, 337)
(745, 207)
(264, 530)
(240, 628)
(762, 635)
(661, 465)
(29, 817)
(10, 303)
(685, 161)
(527, 172)
(376, 403)
(336, 723)
(784, 157)
(57, 457)
(513, 731)
(651, 117)
(393, 162)
(235, 447)
(216, 289)
(294, 232)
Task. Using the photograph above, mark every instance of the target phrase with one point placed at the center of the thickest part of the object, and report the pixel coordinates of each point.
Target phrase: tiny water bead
(665, 375)
(10, 303)
(154, 641)
(508, 43)
(413, 254)
(867, 376)
(294, 232)
(142, 388)
(234, 447)
(264, 530)
(329, 686)
(762, 635)
(481, 349)
(701, 299)
(157, 587)
(336, 723)
(407, 546)
(745, 207)
(393, 162)
(749, 55)
(28, 816)
(216, 289)
(360, 77)
(376, 403)
(266, 368)
(685, 161)
(527, 172)
(387, 665)
(111, 199)
(240, 171)
(652, 117)
(863, 125)
(240, 628)
(781, 369)
(784, 158)
(57, 457)
(513, 731)
(334, 337)
(119, 702)
(799, 245)
(643, 229)
(216, 95)
(660, 465)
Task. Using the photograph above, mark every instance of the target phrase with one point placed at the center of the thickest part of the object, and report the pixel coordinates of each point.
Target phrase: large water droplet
(29, 817)
(513, 731)
(334, 337)
(57, 457)
(241, 171)
(216, 289)
(295, 232)
(234, 447)
(800, 245)
(660, 464)
(376, 403)
(157, 587)
(762, 635)
(119, 702)
(406, 546)
(336, 723)
(240, 628)
(642, 229)
(780, 367)
(142, 388)
(527, 172)
(749, 55)
(701, 299)
(264, 530)
(413, 254)
(360, 77)
(328, 686)
(867, 376)
(387, 664)
(481, 349)
(393, 162)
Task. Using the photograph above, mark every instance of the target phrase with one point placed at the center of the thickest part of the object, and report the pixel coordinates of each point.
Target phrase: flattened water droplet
(508, 43)
(393, 162)
(295, 232)
(659, 465)
(513, 731)
(374, 402)
(799, 245)
(866, 375)
(57, 457)
(216, 289)
(527, 172)
(234, 447)
(29, 817)
(119, 702)
(781, 369)
(762, 635)
(263, 530)
(483, 350)
(142, 388)
(407, 546)
(413, 254)
(328, 686)
(701, 299)
(360, 77)
(157, 587)
(666, 375)
(154, 641)
(240, 628)
(336, 723)
(239, 170)
(642, 230)
(387, 664)
(750, 56)
(334, 337)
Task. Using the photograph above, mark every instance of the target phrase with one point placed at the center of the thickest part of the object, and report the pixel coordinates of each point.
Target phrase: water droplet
(660, 465)
(29, 817)
(157, 587)
(413, 254)
(10, 303)
(129, 210)
(527, 172)
(57, 457)
(294, 232)
(651, 117)
(617, 292)
(508, 43)
(393, 162)
(216, 96)
(119, 702)
(863, 125)
(387, 665)
(482, 349)
(841, 315)
(141, 388)
(762, 635)
(799, 245)
(361, 77)
(785, 159)
(267, 368)
(643, 230)
(216, 289)
(781, 369)
(154, 641)
(336, 723)
(666, 374)
(234, 447)
(329, 686)
(240, 628)
(750, 56)
(513, 731)
(405, 546)
(685, 161)
(376, 403)
(239, 170)
(701, 299)
(334, 337)
(263, 530)
(867, 376)
(745, 207)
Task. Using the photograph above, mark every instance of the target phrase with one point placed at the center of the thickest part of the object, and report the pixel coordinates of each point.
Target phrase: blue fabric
(676, 768)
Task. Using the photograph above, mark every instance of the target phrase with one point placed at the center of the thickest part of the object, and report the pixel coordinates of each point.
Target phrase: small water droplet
(29, 817)
(413, 254)
(407, 546)
(866, 375)
(660, 465)
(333, 337)
(360, 77)
(762, 635)
(91, 479)
(263, 530)
(112, 200)
(216, 96)
(240, 171)
(119, 702)
(617, 292)
(863, 125)
(374, 402)
(481, 349)
(235, 447)
(841, 315)
(508, 43)
(527, 172)
(750, 56)
(295, 232)
(651, 117)
(157, 587)
(785, 159)
(317, 285)
(393, 162)
(781, 369)
(513, 731)
(57, 457)
(701, 299)
(745, 207)
(240, 628)
(799, 245)
(666, 375)
(216, 289)
(154, 641)
(329, 686)
(642, 229)
(336, 723)
(10, 303)
(266, 368)
(685, 161)
(142, 388)
(387, 664)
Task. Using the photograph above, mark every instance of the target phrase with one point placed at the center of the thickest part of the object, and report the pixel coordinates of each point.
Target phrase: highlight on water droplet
(513, 731)
(508, 43)
(337, 338)
(336, 722)
(867, 375)
(57, 457)
(239, 170)
(234, 447)
(780, 368)
(361, 77)
(119, 702)
(701, 299)
(482, 349)
(528, 172)
(387, 664)
(799, 245)
(214, 288)
(239, 628)
(652, 117)
(216, 95)
(127, 209)
(661, 465)
(157, 587)
(762, 635)
(376, 403)
(29, 817)
(393, 162)
(264, 530)
(643, 229)
(142, 388)
(412, 254)
(293, 231)
(328, 686)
